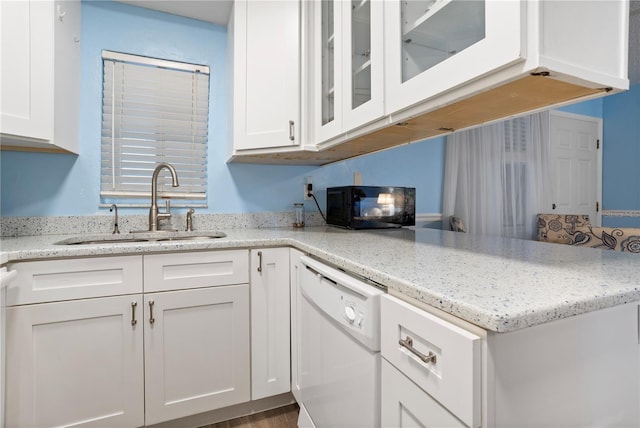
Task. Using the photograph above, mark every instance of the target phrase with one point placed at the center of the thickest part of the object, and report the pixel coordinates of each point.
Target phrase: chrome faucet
(154, 214)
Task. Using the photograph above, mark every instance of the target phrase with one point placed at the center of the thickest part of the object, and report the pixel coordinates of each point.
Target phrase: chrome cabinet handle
(151, 318)
(259, 261)
(292, 136)
(133, 313)
(408, 343)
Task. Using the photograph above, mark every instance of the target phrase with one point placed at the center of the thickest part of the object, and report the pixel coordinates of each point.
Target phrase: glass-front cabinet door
(436, 45)
(328, 65)
(364, 62)
(348, 65)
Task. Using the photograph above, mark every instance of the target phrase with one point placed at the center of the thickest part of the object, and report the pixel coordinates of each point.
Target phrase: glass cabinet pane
(360, 52)
(328, 52)
(434, 30)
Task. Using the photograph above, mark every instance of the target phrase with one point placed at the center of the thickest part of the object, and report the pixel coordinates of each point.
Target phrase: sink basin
(159, 236)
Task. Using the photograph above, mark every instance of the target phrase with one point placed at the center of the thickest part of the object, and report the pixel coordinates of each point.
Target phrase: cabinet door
(270, 336)
(405, 405)
(266, 73)
(196, 346)
(436, 45)
(327, 70)
(348, 86)
(76, 363)
(296, 314)
(26, 106)
(363, 62)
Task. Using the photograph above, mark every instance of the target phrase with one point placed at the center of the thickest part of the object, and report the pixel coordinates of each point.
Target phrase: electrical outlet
(306, 192)
(308, 189)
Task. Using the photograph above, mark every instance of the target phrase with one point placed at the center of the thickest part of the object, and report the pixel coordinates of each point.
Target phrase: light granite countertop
(498, 284)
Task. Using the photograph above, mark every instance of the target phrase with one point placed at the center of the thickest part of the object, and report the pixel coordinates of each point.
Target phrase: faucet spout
(154, 215)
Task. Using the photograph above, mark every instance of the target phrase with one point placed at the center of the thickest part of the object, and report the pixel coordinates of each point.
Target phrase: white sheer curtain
(496, 176)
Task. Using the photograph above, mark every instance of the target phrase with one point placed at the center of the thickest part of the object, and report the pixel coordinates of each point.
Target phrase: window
(516, 142)
(153, 111)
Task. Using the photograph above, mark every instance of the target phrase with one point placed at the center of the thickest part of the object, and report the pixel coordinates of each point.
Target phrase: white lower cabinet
(580, 371)
(405, 405)
(75, 363)
(196, 351)
(95, 360)
(270, 335)
(296, 314)
(442, 360)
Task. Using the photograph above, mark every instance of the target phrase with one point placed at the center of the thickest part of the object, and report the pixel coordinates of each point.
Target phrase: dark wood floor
(283, 417)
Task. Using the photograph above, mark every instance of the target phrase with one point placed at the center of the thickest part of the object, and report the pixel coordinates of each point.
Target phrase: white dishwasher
(340, 349)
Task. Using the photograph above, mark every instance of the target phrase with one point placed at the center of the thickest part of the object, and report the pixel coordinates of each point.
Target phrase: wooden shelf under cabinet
(514, 98)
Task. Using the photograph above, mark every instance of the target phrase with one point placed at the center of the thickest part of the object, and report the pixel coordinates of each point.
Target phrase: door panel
(575, 164)
(76, 363)
(196, 351)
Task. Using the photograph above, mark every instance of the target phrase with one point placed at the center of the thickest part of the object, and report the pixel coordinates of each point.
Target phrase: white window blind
(153, 111)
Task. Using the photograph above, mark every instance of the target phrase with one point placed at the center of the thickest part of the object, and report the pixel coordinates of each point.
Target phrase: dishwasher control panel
(352, 303)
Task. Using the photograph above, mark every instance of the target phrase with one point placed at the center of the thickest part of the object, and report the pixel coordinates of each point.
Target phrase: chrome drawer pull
(133, 313)
(151, 318)
(408, 343)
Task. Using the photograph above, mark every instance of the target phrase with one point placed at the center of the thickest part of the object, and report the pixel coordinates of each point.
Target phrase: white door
(267, 74)
(76, 363)
(196, 351)
(270, 335)
(575, 165)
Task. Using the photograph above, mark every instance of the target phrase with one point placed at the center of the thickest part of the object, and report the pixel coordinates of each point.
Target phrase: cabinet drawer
(163, 272)
(453, 378)
(56, 280)
(403, 404)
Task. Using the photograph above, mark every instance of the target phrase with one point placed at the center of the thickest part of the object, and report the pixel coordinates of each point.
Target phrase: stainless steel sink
(214, 235)
(158, 236)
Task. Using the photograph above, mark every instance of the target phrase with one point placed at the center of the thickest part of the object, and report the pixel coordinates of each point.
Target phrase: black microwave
(371, 207)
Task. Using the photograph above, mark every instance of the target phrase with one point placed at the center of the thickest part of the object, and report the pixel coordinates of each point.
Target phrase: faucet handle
(190, 220)
(115, 223)
(167, 205)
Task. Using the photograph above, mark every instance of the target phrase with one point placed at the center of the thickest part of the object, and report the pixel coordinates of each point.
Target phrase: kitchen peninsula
(547, 314)
(499, 284)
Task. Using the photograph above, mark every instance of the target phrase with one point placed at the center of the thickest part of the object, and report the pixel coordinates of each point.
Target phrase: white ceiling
(216, 11)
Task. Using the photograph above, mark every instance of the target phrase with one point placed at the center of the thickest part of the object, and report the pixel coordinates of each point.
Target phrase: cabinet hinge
(597, 207)
(598, 144)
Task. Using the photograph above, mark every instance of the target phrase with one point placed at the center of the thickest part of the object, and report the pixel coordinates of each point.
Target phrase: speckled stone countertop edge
(41, 247)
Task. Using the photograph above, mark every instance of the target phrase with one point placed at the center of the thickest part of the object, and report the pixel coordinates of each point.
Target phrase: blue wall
(588, 108)
(621, 156)
(39, 184)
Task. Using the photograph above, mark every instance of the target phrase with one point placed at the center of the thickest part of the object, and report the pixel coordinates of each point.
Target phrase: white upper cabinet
(435, 45)
(348, 86)
(447, 65)
(443, 51)
(265, 44)
(40, 76)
